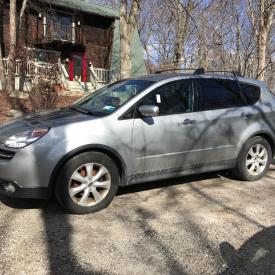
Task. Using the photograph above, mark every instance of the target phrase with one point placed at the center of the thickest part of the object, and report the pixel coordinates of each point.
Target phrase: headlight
(23, 139)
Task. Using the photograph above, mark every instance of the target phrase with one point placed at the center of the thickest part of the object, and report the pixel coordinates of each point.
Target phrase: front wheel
(254, 159)
(88, 182)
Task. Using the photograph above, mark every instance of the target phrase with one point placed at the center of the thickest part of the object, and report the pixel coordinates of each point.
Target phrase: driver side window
(172, 98)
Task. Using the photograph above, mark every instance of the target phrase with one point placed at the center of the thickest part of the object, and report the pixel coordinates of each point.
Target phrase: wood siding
(96, 37)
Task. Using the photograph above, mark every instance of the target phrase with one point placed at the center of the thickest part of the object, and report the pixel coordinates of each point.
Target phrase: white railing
(103, 75)
(98, 76)
(5, 62)
(106, 76)
(64, 74)
(94, 79)
(17, 66)
(31, 68)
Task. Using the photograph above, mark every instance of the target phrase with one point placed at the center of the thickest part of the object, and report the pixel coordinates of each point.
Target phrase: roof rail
(175, 69)
(234, 73)
(201, 71)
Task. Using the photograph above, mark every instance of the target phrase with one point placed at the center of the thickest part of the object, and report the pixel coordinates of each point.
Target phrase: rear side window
(252, 93)
(219, 94)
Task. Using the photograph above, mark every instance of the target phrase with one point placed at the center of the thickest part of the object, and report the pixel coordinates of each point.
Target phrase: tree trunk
(149, 69)
(2, 74)
(265, 22)
(238, 44)
(182, 20)
(2, 70)
(128, 24)
(180, 35)
(12, 48)
(202, 45)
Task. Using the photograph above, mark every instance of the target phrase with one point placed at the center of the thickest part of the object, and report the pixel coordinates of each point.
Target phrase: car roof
(167, 76)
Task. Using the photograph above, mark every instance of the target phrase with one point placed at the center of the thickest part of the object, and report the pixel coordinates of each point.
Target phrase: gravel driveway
(207, 224)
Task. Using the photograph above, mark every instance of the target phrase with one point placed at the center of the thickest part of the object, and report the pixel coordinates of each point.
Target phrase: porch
(95, 78)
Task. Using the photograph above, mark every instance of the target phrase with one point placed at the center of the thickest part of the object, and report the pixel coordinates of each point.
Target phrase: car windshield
(110, 98)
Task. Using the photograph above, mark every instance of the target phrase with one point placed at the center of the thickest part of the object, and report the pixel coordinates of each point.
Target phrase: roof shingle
(85, 6)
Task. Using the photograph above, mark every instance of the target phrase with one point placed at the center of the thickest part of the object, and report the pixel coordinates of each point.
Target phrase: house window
(43, 56)
(59, 27)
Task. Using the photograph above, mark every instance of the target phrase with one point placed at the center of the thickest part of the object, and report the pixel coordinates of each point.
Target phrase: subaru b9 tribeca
(137, 130)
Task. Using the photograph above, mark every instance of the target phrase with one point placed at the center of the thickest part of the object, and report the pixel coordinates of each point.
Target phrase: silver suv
(137, 130)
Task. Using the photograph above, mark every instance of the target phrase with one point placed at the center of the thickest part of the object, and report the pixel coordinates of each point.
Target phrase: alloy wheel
(89, 184)
(256, 159)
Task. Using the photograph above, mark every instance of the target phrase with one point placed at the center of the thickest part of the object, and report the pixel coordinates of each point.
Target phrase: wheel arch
(266, 135)
(114, 155)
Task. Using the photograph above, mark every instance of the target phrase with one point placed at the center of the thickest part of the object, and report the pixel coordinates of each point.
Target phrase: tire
(87, 183)
(245, 169)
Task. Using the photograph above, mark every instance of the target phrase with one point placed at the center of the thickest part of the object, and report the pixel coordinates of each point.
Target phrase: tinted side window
(219, 94)
(251, 93)
(172, 98)
(129, 114)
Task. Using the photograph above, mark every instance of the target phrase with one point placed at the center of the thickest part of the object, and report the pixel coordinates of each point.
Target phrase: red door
(78, 67)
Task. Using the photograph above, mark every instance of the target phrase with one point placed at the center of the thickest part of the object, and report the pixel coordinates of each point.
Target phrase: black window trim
(254, 85)
(196, 90)
(137, 104)
(242, 96)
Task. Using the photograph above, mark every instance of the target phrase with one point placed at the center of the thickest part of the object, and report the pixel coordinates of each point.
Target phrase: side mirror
(149, 110)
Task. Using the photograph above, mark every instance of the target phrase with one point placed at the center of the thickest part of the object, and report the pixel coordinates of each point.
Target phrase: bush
(45, 84)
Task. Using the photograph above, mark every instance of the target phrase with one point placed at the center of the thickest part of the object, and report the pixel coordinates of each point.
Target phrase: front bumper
(12, 189)
(25, 173)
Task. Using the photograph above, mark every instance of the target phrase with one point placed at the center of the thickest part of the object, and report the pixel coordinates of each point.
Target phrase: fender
(113, 154)
(264, 133)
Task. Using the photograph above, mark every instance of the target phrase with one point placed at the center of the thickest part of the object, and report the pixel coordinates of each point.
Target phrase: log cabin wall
(94, 35)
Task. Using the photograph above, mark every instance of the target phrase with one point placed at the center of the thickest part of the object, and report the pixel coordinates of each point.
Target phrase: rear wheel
(254, 159)
(88, 182)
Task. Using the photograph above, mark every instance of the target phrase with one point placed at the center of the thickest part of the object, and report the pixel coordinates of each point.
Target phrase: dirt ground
(206, 224)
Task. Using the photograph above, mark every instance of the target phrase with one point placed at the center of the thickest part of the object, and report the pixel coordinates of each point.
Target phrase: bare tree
(12, 48)
(2, 69)
(182, 15)
(261, 13)
(128, 24)
(15, 26)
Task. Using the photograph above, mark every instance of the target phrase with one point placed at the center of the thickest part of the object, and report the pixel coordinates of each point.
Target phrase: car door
(223, 115)
(164, 144)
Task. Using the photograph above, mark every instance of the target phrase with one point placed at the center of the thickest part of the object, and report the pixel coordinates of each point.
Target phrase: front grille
(6, 154)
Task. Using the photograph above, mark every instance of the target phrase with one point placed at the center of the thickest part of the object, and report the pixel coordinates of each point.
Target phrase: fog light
(9, 188)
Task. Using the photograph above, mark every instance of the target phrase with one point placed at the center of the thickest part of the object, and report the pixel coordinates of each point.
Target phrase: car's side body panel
(163, 142)
(150, 148)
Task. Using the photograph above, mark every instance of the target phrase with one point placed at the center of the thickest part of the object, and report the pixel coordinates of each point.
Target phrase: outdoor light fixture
(78, 22)
(90, 63)
(39, 15)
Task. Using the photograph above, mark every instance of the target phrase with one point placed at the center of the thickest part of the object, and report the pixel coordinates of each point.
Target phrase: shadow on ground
(59, 230)
(52, 205)
(256, 255)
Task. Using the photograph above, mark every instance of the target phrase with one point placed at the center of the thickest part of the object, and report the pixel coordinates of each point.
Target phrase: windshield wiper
(82, 110)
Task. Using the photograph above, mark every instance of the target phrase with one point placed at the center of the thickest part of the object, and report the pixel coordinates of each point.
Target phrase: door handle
(188, 122)
(246, 115)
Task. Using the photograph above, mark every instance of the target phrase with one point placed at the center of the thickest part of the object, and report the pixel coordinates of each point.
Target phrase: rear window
(219, 94)
(223, 93)
(252, 93)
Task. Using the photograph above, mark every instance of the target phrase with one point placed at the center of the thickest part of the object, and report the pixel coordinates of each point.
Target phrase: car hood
(42, 119)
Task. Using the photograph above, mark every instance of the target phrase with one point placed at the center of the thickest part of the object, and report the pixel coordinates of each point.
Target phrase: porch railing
(58, 32)
(106, 76)
(31, 68)
(17, 66)
(98, 76)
